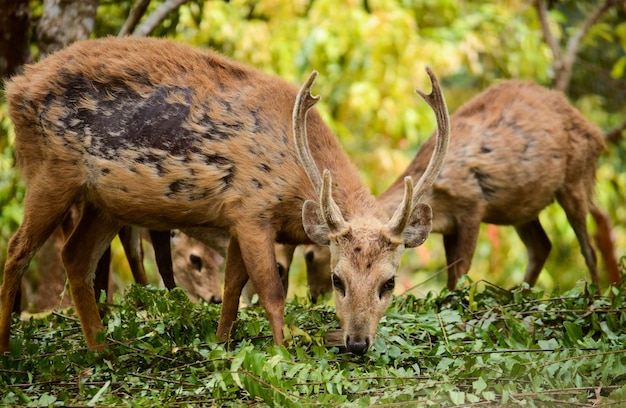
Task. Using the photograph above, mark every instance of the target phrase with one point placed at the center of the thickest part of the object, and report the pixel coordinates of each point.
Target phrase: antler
(330, 211)
(304, 102)
(438, 104)
(402, 215)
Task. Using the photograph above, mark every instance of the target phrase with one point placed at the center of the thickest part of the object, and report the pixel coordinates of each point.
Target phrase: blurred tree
(14, 25)
(63, 22)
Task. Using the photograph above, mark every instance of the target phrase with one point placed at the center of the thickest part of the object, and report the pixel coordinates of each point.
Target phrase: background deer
(182, 261)
(151, 133)
(514, 148)
(192, 266)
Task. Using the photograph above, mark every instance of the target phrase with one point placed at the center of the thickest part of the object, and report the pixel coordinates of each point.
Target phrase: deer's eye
(196, 261)
(338, 284)
(281, 269)
(387, 287)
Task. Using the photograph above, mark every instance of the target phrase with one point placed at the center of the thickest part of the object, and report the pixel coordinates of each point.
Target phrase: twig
(138, 10)
(157, 17)
(433, 276)
(564, 60)
(603, 353)
(542, 11)
(142, 351)
(574, 42)
(443, 331)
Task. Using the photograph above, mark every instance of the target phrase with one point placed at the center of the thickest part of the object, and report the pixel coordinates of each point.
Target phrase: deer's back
(186, 136)
(512, 147)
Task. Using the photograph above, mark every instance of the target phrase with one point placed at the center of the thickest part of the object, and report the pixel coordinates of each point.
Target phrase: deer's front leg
(258, 261)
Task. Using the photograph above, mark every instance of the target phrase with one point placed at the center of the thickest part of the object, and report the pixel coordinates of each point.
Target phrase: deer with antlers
(151, 133)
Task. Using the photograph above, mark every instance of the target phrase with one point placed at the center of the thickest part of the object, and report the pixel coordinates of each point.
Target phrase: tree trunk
(14, 28)
(65, 21)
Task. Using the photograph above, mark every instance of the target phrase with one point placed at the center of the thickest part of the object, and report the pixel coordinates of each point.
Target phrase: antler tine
(304, 102)
(437, 102)
(402, 215)
(330, 211)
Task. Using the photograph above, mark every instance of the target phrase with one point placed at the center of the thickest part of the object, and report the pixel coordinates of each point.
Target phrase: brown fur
(514, 149)
(151, 133)
(284, 256)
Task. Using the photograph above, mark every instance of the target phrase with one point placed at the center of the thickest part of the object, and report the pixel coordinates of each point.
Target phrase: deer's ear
(419, 226)
(314, 224)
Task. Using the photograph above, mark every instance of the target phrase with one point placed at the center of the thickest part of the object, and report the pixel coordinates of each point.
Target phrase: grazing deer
(215, 245)
(182, 261)
(197, 268)
(151, 133)
(514, 149)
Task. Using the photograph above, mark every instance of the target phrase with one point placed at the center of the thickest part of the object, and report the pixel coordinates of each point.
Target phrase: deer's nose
(357, 346)
(216, 299)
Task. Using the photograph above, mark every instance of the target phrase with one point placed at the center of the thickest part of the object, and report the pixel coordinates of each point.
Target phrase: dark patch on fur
(483, 182)
(257, 183)
(216, 159)
(265, 168)
(226, 105)
(485, 149)
(124, 120)
(227, 180)
(186, 189)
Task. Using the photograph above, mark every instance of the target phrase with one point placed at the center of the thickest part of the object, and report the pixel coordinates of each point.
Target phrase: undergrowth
(480, 346)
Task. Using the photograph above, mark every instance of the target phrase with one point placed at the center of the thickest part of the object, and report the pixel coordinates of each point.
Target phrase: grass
(480, 346)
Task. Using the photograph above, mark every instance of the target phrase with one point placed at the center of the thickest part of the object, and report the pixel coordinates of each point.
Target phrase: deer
(514, 149)
(182, 261)
(197, 268)
(157, 134)
(212, 250)
(185, 263)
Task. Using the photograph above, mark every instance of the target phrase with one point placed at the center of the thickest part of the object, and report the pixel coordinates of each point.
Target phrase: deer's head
(365, 249)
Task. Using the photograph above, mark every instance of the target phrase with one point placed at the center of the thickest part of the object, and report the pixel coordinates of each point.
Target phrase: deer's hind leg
(90, 238)
(130, 237)
(575, 202)
(45, 208)
(161, 242)
(538, 246)
(459, 248)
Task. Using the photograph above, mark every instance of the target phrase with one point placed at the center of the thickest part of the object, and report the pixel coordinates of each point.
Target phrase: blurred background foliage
(371, 56)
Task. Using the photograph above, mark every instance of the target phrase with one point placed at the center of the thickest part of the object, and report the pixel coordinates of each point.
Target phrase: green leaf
(93, 401)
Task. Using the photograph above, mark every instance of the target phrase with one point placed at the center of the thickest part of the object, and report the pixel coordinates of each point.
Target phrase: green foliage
(483, 345)
(371, 55)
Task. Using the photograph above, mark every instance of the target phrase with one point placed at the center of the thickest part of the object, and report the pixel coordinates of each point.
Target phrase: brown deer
(213, 246)
(514, 148)
(182, 261)
(197, 268)
(151, 133)
(188, 264)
